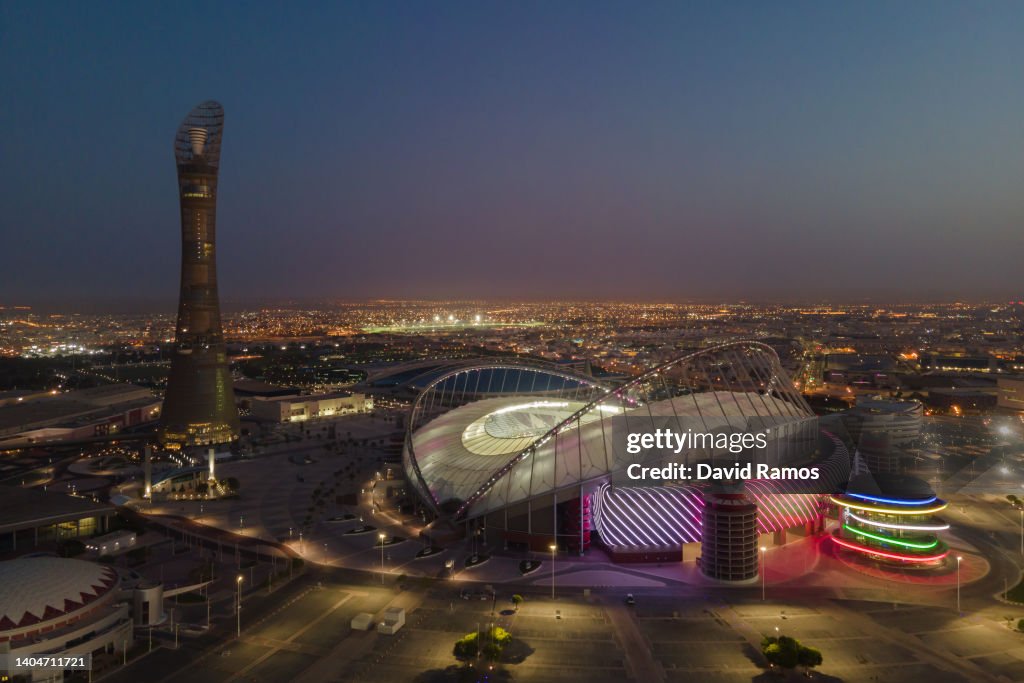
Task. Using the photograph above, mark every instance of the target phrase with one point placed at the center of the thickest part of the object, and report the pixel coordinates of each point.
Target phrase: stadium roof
(484, 452)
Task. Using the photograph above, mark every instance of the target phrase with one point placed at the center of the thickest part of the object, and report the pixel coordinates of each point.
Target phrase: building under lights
(199, 407)
(529, 452)
(891, 518)
(310, 407)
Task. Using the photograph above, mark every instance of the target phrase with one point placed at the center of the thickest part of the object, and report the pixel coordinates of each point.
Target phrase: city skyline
(514, 341)
(859, 154)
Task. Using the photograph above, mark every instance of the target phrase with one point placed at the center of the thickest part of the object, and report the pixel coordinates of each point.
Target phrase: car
(630, 600)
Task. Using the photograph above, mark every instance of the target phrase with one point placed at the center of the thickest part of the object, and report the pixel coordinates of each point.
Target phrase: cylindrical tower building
(199, 407)
(729, 534)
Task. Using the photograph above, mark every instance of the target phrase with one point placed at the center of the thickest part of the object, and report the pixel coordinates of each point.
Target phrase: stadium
(527, 453)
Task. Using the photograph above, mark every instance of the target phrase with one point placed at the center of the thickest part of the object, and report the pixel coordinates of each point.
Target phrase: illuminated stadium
(528, 452)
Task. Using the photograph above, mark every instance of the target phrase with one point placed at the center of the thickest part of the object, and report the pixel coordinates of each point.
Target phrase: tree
(517, 600)
(491, 644)
(789, 653)
(808, 657)
(782, 651)
(466, 646)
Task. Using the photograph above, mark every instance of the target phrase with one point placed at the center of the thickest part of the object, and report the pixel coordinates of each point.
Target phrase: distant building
(301, 408)
(247, 390)
(199, 407)
(861, 371)
(899, 420)
(75, 415)
(30, 517)
(1011, 393)
(958, 363)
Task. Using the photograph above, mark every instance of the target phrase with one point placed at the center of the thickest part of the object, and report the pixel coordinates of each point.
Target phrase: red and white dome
(46, 591)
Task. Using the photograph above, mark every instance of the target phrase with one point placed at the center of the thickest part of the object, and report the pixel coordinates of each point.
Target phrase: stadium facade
(199, 407)
(528, 452)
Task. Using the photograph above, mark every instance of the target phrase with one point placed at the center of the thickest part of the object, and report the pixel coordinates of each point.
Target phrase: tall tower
(199, 407)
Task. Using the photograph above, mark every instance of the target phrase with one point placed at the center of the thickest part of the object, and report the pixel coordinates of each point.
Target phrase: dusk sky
(551, 150)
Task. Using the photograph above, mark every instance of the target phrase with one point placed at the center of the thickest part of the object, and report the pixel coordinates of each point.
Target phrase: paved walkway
(639, 660)
(939, 658)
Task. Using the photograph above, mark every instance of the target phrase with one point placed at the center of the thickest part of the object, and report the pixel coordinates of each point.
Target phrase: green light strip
(893, 541)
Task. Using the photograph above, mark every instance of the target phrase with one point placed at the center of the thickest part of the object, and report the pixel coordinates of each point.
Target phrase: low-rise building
(75, 415)
(301, 408)
(30, 517)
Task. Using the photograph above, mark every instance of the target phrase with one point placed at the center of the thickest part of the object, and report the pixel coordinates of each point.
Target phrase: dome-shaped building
(55, 605)
(531, 452)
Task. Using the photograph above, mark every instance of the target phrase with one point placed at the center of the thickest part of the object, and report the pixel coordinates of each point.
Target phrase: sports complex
(529, 455)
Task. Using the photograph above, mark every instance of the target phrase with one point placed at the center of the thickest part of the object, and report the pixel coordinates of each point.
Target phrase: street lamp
(764, 549)
(553, 548)
(958, 560)
(238, 606)
(381, 537)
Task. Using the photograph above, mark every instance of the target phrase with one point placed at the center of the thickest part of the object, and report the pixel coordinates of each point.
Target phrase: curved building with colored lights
(529, 452)
(891, 518)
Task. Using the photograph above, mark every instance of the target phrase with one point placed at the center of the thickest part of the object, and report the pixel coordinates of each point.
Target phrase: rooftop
(23, 508)
(35, 589)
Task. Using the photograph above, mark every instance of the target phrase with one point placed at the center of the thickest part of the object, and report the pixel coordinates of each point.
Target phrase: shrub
(788, 653)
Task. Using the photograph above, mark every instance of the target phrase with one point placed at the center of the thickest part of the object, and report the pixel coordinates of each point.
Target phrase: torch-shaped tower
(199, 407)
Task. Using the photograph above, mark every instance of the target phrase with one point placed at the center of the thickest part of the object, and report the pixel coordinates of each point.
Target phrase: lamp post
(381, 538)
(958, 560)
(238, 606)
(1022, 531)
(553, 548)
(764, 549)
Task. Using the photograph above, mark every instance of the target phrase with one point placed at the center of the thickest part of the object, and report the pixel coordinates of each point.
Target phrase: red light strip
(868, 550)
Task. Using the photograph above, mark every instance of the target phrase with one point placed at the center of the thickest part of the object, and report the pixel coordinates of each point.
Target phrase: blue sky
(667, 151)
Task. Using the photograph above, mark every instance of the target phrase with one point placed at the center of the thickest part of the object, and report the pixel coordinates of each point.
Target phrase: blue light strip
(893, 501)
